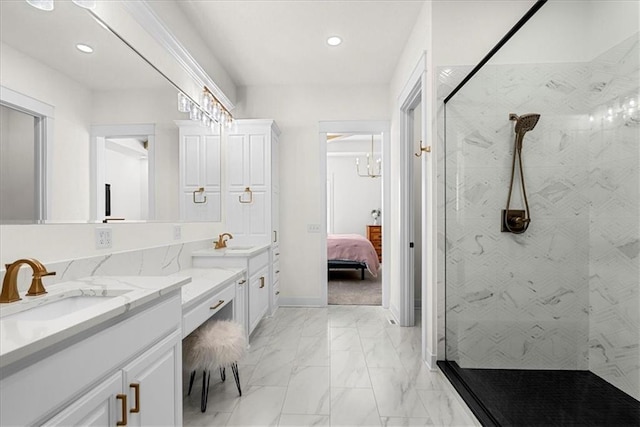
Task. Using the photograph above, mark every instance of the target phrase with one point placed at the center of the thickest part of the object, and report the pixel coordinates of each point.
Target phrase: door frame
(378, 127)
(97, 153)
(417, 91)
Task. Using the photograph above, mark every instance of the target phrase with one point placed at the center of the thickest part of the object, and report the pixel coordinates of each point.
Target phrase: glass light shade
(183, 103)
(87, 4)
(41, 4)
(195, 114)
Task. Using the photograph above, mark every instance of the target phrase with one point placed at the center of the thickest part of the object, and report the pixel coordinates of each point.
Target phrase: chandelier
(210, 112)
(373, 170)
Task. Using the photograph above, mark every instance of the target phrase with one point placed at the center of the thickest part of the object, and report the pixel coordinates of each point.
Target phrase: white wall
(125, 173)
(17, 180)
(451, 33)
(352, 197)
(72, 103)
(297, 110)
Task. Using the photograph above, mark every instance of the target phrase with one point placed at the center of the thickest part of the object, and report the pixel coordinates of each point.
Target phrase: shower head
(526, 122)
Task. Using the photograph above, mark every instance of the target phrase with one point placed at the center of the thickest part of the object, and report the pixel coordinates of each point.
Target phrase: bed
(352, 251)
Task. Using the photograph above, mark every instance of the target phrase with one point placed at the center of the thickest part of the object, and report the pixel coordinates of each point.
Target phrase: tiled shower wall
(563, 295)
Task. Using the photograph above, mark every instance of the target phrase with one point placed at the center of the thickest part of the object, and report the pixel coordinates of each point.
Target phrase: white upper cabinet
(250, 150)
(200, 189)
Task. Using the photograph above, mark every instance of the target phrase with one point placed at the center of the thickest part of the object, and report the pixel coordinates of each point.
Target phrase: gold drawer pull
(220, 302)
(262, 282)
(136, 391)
(242, 282)
(123, 398)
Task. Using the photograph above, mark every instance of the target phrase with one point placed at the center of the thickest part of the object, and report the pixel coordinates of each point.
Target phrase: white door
(99, 407)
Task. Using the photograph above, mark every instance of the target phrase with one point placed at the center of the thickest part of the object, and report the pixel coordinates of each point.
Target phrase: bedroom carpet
(346, 288)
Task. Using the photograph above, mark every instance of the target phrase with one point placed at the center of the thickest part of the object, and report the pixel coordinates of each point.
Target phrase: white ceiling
(284, 42)
(51, 37)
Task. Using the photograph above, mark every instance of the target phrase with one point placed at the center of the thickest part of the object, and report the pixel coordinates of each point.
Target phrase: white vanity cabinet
(252, 295)
(150, 379)
(200, 189)
(97, 377)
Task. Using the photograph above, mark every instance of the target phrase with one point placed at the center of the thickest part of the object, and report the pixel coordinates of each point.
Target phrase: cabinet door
(258, 297)
(98, 407)
(154, 387)
(200, 185)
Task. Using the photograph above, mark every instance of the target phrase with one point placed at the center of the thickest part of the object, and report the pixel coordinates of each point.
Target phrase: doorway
(122, 170)
(354, 209)
(362, 131)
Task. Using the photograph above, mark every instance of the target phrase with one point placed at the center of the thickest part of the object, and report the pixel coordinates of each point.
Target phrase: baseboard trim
(301, 302)
(430, 360)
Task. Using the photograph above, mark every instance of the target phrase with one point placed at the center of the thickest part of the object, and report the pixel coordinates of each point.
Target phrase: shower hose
(517, 152)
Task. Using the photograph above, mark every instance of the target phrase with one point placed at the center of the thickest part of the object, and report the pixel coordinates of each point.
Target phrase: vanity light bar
(210, 112)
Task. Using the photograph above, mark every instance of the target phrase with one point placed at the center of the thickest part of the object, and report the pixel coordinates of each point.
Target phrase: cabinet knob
(123, 399)
(277, 292)
(136, 391)
(277, 271)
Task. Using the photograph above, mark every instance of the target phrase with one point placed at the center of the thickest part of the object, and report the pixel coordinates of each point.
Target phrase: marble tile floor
(333, 366)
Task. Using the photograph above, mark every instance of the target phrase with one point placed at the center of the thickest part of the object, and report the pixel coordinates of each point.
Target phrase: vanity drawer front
(258, 261)
(207, 308)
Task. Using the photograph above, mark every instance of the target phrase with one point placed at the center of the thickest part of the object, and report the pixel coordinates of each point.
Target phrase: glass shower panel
(561, 294)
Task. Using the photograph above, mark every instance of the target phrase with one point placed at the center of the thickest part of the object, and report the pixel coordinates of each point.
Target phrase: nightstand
(374, 234)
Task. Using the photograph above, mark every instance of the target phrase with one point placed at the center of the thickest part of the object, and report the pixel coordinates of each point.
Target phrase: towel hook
(426, 149)
(246, 190)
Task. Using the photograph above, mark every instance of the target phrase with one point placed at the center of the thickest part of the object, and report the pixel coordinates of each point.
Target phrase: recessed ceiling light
(84, 48)
(334, 41)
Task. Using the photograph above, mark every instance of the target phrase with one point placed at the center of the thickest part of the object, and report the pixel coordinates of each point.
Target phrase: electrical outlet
(103, 238)
(177, 232)
(313, 228)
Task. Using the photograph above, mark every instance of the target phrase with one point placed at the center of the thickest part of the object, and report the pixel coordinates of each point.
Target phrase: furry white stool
(214, 345)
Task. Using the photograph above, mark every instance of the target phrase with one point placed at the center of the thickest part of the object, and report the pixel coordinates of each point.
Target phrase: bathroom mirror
(106, 142)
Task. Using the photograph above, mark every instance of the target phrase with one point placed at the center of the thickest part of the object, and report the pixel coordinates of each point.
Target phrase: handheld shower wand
(517, 221)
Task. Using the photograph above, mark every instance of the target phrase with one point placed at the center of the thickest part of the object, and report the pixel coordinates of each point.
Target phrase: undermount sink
(51, 307)
(239, 248)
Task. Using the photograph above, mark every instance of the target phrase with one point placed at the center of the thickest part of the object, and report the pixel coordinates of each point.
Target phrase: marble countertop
(232, 251)
(205, 281)
(22, 337)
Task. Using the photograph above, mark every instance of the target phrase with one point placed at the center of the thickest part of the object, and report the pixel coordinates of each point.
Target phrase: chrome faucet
(222, 242)
(10, 283)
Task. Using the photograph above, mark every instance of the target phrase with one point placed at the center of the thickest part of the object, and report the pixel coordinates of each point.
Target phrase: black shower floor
(514, 397)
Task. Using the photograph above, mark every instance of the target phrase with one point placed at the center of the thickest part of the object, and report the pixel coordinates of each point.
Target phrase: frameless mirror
(100, 129)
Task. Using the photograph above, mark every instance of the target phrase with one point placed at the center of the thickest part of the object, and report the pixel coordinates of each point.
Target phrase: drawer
(375, 234)
(258, 261)
(207, 308)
